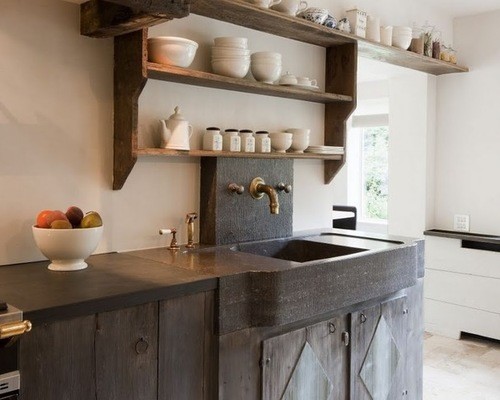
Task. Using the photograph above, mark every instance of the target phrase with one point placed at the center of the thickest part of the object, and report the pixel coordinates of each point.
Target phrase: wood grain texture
(179, 8)
(57, 360)
(227, 154)
(340, 77)
(182, 348)
(129, 80)
(126, 353)
(103, 19)
(279, 358)
(207, 79)
(239, 369)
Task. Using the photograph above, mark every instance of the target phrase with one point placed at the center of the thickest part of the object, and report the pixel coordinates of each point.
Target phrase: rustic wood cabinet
(158, 350)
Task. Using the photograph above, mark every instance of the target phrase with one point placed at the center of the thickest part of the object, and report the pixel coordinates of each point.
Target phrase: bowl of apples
(67, 238)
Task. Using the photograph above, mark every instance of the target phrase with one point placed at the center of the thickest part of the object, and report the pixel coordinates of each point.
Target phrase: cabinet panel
(378, 351)
(126, 353)
(185, 348)
(308, 363)
(57, 360)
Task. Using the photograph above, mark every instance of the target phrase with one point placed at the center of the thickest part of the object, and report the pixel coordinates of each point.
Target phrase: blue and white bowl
(330, 21)
(314, 14)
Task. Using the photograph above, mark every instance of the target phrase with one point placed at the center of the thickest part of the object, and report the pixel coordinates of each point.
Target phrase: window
(368, 167)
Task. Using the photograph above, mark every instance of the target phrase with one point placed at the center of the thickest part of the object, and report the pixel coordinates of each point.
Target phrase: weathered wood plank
(129, 80)
(182, 348)
(126, 353)
(341, 77)
(57, 360)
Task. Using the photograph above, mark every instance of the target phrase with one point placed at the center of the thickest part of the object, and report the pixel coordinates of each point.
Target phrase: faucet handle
(235, 188)
(173, 243)
(282, 187)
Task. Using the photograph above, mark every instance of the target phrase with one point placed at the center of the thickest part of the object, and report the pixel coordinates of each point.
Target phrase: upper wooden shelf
(276, 23)
(199, 78)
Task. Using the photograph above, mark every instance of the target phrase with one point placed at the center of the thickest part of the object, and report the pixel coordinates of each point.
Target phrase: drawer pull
(14, 329)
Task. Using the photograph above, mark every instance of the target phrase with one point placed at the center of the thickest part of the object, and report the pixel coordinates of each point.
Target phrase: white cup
(373, 28)
(264, 3)
(386, 35)
(290, 7)
(305, 81)
(300, 139)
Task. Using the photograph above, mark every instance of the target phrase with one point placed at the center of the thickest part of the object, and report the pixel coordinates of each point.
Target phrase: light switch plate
(461, 223)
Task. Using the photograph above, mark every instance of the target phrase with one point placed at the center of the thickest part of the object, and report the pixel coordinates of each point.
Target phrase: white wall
(56, 125)
(468, 140)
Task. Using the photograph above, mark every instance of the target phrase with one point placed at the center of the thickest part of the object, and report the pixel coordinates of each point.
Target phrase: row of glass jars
(235, 140)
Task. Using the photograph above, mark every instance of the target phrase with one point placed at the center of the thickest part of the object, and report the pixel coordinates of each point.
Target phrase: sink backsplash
(227, 217)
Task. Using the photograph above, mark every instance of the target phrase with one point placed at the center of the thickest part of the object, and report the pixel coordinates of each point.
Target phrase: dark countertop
(118, 280)
(476, 237)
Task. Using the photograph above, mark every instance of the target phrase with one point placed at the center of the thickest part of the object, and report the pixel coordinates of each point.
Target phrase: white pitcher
(175, 132)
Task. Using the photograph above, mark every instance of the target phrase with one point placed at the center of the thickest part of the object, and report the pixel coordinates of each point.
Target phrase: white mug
(386, 35)
(290, 7)
(373, 28)
(264, 3)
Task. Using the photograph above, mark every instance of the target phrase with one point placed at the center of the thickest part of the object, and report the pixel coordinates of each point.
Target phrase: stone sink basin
(297, 250)
(296, 278)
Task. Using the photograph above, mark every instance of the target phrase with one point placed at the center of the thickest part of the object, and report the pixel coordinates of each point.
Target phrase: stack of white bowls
(401, 37)
(231, 57)
(266, 66)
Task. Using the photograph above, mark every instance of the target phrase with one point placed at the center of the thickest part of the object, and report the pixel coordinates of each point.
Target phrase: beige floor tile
(467, 369)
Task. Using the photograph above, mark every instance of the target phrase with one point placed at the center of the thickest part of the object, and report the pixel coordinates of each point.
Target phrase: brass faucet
(190, 228)
(258, 188)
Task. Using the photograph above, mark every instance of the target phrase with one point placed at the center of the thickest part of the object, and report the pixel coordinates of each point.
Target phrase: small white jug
(175, 132)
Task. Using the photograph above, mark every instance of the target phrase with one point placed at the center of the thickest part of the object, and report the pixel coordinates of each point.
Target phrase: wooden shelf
(206, 79)
(276, 23)
(205, 153)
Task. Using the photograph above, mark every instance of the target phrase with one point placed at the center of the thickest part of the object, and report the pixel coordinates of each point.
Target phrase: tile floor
(466, 369)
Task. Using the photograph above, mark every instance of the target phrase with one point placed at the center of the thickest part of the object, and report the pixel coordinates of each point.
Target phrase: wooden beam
(101, 19)
(129, 80)
(180, 8)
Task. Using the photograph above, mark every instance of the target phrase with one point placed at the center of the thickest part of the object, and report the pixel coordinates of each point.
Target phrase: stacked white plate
(326, 150)
(231, 57)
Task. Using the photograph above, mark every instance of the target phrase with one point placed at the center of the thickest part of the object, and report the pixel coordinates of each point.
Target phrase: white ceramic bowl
(281, 141)
(401, 29)
(266, 71)
(67, 248)
(401, 41)
(229, 51)
(260, 55)
(300, 139)
(172, 50)
(231, 41)
(234, 68)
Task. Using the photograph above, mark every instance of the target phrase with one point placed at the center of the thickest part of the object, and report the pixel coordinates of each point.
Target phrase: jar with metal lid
(231, 140)
(212, 139)
(247, 141)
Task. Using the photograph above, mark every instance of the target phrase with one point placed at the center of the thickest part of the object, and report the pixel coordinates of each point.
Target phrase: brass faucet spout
(258, 188)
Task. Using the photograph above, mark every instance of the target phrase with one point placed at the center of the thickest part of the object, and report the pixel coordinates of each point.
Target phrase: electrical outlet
(461, 223)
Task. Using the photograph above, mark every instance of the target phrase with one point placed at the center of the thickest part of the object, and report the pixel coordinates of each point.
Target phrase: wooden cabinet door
(57, 360)
(378, 351)
(308, 363)
(187, 359)
(126, 353)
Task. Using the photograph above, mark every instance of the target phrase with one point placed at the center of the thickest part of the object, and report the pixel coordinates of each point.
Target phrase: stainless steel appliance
(11, 327)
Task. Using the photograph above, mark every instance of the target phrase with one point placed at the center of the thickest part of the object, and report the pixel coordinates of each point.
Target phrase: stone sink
(312, 275)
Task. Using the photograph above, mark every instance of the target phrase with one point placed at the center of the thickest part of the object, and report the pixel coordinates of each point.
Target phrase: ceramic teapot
(175, 132)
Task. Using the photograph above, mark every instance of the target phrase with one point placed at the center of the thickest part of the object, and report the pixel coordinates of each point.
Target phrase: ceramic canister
(247, 141)
(231, 141)
(212, 139)
(262, 142)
